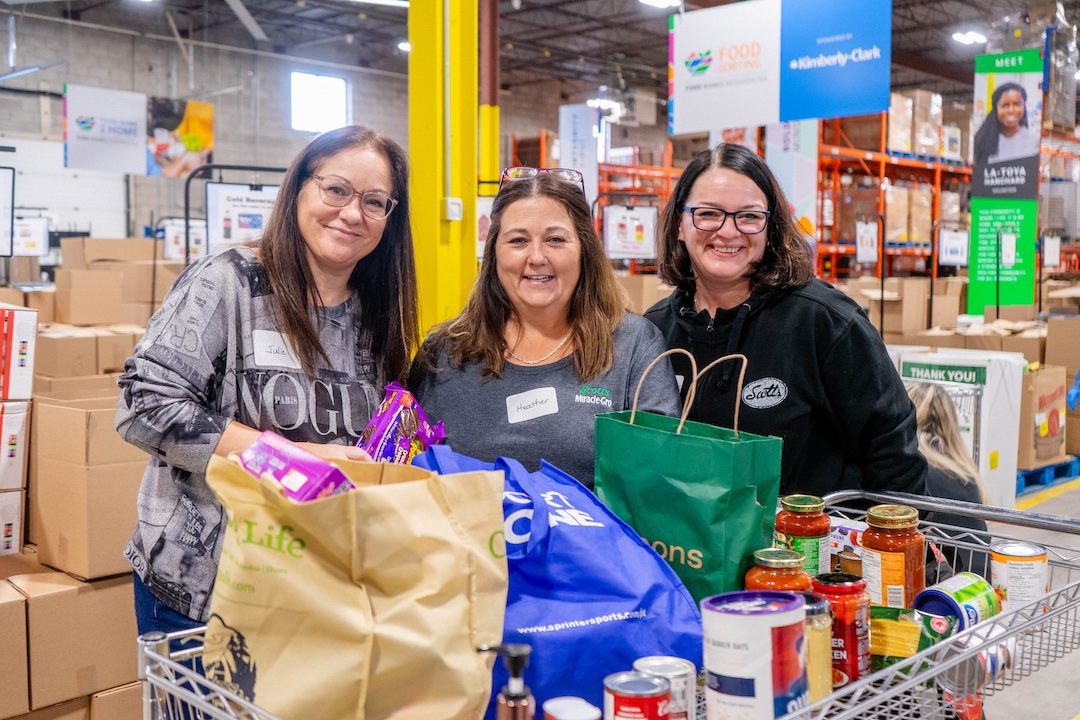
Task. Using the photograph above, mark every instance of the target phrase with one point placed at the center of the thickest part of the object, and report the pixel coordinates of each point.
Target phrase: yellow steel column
(443, 150)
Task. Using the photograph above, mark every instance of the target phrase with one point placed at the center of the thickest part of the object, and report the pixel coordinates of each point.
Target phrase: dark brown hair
(596, 307)
(385, 280)
(788, 261)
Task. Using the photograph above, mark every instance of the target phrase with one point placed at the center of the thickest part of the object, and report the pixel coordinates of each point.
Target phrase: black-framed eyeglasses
(337, 192)
(524, 173)
(711, 219)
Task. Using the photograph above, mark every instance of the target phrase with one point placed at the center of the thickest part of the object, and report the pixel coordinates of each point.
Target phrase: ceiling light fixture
(387, 3)
(969, 38)
(404, 46)
(664, 4)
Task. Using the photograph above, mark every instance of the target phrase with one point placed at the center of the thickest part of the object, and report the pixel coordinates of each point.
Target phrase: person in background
(1005, 134)
(818, 374)
(544, 343)
(296, 332)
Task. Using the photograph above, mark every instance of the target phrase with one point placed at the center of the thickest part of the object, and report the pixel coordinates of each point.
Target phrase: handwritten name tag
(531, 404)
(273, 350)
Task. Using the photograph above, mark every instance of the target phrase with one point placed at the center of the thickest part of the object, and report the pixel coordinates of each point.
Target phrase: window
(319, 102)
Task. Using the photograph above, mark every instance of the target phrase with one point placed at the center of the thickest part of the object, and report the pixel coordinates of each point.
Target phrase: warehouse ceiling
(617, 43)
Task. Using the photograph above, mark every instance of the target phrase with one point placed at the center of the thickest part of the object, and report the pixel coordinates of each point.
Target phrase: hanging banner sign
(760, 62)
(180, 136)
(7, 210)
(953, 248)
(578, 129)
(866, 242)
(630, 232)
(1051, 251)
(104, 130)
(791, 150)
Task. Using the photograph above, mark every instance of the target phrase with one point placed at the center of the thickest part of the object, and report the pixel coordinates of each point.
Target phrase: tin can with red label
(682, 674)
(851, 625)
(636, 696)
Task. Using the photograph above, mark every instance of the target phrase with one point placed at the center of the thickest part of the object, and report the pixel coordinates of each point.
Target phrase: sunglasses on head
(525, 173)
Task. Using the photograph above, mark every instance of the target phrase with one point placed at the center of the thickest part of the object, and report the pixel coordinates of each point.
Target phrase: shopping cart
(174, 687)
(1031, 637)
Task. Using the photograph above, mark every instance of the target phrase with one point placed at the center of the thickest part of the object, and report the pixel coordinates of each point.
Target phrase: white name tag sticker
(531, 404)
(273, 350)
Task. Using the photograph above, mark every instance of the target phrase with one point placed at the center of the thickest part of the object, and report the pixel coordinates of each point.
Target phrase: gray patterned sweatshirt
(212, 354)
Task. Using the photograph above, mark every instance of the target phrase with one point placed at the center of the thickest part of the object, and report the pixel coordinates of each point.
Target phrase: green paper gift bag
(704, 497)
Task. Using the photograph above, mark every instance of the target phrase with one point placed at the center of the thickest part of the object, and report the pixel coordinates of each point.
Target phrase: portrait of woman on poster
(1006, 133)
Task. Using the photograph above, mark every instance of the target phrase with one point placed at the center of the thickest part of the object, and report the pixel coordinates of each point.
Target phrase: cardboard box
(1072, 432)
(944, 311)
(1014, 313)
(925, 121)
(78, 253)
(86, 297)
(89, 385)
(82, 636)
(644, 291)
(114, 347)
(122, 703)
(18, 331)
(14, 674)
(81, 517)
(81, 432)
(953, 286)
(940, 339)
(896, 214)
(12, 503)
(906, 302)
(77, 709)
(14, 443)
(144, 280)
(44, 301)
(855, 203)
(1063, 344)
(66, 351)
(960, 115)
(136, 313)
(900, 109)
(990, 342)
(12, 296)
(1042, 418)
(949, 206)
(864, 131)
(920, 215)
(1029, 343)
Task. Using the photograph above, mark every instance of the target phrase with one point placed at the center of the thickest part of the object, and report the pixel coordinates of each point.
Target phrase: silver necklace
(537, 362)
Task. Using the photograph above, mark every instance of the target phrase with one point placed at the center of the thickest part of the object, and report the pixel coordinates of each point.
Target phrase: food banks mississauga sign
(760, 62)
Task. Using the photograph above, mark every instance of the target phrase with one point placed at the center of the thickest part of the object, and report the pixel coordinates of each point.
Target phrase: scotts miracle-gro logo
(698, 63)
(765, 393)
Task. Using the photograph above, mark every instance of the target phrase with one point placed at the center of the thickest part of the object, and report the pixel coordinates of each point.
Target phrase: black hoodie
(818, 376)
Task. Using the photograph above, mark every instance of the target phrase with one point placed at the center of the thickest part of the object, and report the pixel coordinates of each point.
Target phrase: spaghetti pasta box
(18, 333)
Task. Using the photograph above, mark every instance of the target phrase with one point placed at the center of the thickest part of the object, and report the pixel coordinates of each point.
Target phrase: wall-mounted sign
(104, 129)
(630, 231)
(236, 213)
(7, 209)
(30, 237)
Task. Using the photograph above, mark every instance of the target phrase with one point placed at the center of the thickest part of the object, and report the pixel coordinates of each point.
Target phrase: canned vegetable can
(965, 595)
(1018, 572)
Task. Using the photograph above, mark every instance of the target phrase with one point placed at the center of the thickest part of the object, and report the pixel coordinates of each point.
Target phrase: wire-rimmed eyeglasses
(337, 192)
(711, 219)
(524, 173)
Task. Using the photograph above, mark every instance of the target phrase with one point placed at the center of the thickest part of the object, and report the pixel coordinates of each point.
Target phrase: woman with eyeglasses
(818, 374)
(544, 343)
(296, 332)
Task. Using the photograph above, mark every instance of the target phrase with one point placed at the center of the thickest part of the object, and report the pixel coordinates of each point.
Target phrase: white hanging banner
(7, 209)
(1051, 251)
(866, 242)
(953, 248)
(578, 125)
(630, 232)
(104, 129)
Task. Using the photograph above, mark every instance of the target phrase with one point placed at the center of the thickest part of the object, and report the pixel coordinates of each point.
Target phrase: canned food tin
(850, 603)
(636, 696)
(1018, 572)
(755, 654)
(570, 708)
(981, 669)
(965, 595)
(681, 674)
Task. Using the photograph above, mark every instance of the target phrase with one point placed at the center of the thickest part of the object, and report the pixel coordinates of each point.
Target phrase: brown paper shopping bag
(367, 604)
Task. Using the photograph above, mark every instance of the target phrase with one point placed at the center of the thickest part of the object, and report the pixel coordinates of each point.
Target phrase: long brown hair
(939, 434)
(788, 261)
(385, 280)
(596, 307)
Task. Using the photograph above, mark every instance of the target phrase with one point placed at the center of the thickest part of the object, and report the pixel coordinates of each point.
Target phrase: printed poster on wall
(172, 232)
(180, 136)
(7, 209)
(30, 237)
(630, 231)
(104, 129)
(791, 150)
(761, 62)
(236, 213)
(1004, 179)
(578, 127)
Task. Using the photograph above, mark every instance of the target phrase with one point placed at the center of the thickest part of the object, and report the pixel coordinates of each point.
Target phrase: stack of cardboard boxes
(644, 290)
(17, 329)
(1063, 349)
(908, 210)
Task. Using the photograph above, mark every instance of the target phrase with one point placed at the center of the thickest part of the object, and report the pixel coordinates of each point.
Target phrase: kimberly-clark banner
(761, 62)
(104, 130)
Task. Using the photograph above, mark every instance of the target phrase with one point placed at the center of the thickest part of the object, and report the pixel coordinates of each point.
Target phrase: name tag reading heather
(531, 404)
(272, 349)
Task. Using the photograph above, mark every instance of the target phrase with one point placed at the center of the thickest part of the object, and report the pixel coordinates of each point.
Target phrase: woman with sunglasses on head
(544, 343)
(818, 374)
(296, 332)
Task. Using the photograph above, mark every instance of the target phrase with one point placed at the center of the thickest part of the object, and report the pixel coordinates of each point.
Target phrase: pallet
(1047, 475)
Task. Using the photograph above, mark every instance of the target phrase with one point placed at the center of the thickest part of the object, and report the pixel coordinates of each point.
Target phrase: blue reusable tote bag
(586, 592)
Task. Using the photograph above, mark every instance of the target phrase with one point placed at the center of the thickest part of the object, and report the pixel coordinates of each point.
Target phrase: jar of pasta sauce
(778, 569)
(803, 526)
(893, 555)
(850, 625)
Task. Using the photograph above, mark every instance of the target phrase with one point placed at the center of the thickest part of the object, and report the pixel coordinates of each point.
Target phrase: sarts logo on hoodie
(765, 393)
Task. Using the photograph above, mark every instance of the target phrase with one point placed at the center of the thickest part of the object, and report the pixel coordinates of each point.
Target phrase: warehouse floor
(1050, 693)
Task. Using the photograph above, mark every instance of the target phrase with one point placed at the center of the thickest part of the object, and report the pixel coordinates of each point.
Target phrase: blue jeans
(153, 614)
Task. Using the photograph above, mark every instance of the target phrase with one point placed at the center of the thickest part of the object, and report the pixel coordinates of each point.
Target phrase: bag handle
(539, 524)
(444, 459)
(738, 387)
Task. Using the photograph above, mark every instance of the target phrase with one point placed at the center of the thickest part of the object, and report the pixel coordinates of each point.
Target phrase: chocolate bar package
(399, 430)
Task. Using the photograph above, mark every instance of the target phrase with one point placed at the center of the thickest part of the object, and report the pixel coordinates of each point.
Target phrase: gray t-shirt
(546, 411)
(211, 354)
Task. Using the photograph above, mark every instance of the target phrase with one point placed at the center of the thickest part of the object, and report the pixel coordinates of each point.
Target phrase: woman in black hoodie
(818, 374)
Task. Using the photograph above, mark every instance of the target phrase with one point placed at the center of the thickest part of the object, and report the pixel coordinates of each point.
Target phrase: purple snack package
(303, 476)
(399, 429)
